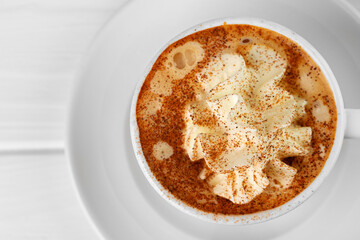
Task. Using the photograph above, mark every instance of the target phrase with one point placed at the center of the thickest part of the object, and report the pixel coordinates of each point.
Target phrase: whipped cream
(242, 124)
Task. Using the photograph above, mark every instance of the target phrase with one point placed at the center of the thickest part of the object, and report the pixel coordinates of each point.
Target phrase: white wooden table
(41, 45)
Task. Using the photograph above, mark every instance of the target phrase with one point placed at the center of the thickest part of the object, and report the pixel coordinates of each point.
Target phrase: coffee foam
(152, 104)
(183, 59)
(162, 150)
(161, 84)
(320, 111)
(161, 114)
(322, 151)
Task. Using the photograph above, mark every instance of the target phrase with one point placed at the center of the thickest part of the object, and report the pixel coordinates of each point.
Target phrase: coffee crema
(235, 119)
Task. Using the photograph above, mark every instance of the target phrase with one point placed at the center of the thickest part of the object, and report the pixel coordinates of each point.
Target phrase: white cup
(347, 125)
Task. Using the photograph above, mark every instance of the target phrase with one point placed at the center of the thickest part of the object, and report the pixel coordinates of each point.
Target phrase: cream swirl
(243, 124)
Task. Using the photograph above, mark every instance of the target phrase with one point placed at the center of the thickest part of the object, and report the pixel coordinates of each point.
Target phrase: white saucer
(117, 197)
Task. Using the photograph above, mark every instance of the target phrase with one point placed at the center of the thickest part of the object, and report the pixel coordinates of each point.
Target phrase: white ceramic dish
(116, 196)
(272, 213)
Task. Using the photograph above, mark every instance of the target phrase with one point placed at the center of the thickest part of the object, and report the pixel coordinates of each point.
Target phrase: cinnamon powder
(178, 174)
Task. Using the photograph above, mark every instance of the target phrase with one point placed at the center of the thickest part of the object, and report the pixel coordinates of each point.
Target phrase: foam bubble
(161, 84)
(151, 104)
(183, 59)
(321, 111)
(179, 60)
(190, 56)
(245, 40)
(307, 83)
(322, 151)
(162, 150)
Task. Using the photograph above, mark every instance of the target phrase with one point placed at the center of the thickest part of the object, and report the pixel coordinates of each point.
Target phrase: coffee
(235, 119)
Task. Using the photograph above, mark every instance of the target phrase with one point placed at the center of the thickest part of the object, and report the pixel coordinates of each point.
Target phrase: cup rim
(266, 215)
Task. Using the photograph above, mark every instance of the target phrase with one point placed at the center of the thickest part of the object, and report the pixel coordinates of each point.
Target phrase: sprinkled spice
(160, 115)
